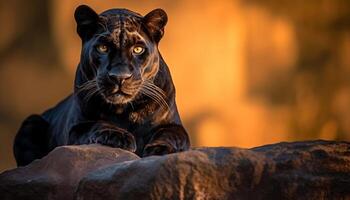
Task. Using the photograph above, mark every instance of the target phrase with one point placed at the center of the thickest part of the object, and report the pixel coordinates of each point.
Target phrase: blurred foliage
(318, 88)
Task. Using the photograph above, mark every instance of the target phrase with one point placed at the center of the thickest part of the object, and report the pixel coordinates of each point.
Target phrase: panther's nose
(119, 78)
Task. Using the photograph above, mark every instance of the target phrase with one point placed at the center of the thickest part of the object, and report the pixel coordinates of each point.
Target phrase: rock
(307, 170)
(57, 175)
(300, 170)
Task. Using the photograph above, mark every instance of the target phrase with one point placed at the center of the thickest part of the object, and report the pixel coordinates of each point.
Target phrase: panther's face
(120, 54)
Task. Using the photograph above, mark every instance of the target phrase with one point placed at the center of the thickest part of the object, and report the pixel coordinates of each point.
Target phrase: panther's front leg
(102, 133)
(167, 139)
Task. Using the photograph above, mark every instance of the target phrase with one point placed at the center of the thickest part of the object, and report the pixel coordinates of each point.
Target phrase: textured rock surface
(302, 170)
(56, 176)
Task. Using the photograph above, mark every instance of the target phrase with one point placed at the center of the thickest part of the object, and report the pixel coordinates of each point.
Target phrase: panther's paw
(158, 148)
(115, 138)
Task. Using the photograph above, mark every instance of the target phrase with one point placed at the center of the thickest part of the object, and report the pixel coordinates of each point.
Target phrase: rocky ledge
(299, 170)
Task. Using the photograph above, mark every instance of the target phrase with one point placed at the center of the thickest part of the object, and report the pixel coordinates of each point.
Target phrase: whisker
(87, 86)
(156, 91)
(152, 85)
(155, 95)
(159, 92)
(152, 97)
(91, 92)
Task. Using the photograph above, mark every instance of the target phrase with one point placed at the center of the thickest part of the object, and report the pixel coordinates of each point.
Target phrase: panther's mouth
(117, 93)
(118, 96)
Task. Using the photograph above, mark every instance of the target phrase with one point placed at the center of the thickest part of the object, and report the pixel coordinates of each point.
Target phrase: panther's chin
(118, 98)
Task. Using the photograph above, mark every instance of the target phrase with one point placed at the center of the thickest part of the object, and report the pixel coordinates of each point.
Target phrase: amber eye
(138, 50)
(102, 48)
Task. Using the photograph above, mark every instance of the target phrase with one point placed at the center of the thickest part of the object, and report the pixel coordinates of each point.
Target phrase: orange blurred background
(247, 72)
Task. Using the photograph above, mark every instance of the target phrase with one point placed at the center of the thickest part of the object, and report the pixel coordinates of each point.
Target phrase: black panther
(123, 93)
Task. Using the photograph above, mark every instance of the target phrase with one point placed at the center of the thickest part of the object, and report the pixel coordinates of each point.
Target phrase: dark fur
(138, 122)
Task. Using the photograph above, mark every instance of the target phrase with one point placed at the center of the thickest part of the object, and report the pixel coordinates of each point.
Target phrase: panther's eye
(138, 50)
(102, 48)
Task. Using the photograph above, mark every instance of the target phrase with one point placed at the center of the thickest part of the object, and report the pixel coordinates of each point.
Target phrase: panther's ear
(155, 22)
(87, 20)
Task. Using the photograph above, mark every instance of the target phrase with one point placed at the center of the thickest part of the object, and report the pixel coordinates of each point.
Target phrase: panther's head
(120, 57)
